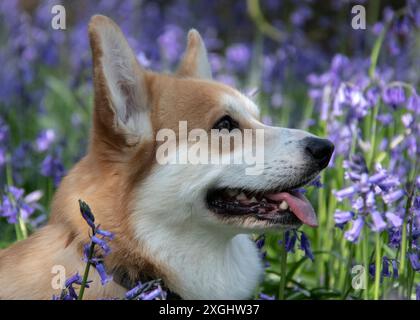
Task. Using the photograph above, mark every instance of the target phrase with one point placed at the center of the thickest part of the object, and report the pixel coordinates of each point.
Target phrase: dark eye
(227, 123)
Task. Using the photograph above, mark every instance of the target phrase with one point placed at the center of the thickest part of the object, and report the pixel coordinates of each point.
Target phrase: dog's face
(135, 112)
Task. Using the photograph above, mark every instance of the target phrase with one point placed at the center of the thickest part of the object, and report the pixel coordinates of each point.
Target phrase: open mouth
(289, 208)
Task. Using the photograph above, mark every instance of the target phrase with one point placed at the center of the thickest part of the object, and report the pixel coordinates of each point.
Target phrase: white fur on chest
(204, 265)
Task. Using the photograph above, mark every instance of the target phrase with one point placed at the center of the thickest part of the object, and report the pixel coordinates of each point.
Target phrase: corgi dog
(187, 224)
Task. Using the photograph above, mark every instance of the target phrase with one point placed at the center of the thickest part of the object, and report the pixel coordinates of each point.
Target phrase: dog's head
(158, 129)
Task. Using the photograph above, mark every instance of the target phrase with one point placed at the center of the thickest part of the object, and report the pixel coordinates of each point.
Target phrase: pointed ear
(121, 102)
(195, 62)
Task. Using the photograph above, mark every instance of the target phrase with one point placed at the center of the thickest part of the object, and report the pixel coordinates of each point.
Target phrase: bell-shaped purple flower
(393, 196)
(105, 278)
(394, 95)
(87, 214)
(353, 234)
(394, 219)
(378, 222)
(413, 257)
(342, 217)
(305, 245)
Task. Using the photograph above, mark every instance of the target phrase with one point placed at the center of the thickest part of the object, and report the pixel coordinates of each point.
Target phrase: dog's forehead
(238, 104)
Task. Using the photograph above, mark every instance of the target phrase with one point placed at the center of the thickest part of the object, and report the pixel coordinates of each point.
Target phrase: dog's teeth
(283, 205)
(241, 196)
(253, 200)
(232, 193)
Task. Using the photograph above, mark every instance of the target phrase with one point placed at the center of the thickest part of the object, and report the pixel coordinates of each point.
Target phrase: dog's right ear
(121, 101)
(195, 62)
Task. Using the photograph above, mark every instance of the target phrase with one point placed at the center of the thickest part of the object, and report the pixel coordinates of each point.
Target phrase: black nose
(320, 150)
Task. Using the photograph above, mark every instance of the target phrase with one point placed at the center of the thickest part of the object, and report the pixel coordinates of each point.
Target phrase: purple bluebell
(395, 220)
(151, 295)
(394, 95)
(105, 234)
(353, 233)
(393, 196)
(102, 244)
(52, 167)
(105, 278)
(134, 292)
(260, 242)
(342, 217)
(385, 267)
(15, 204)
(87, 214)
(317, 182)
(306, 246)
(378, 223)
(413, 103)
(238, 56)
(346, 192)
(264, 296)
(75, 279)
(290, 240)
(413, 257)
(44, 140)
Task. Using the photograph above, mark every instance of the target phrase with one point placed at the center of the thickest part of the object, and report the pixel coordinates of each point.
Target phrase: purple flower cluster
(389, 268)
(364, 194)
(99, 239)
(292, 238)
(150, 290)
(15, 204)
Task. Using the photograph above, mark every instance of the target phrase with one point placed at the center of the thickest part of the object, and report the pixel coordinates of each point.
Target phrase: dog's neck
(202, 263)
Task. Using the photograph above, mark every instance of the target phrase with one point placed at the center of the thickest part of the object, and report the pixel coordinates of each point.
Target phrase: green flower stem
(86, 274)
(283, 266)
(365, 253)
(378, 264)
(20, 226)
(254, 11)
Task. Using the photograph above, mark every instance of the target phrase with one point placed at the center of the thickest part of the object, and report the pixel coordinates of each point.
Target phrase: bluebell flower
(306, 246)
(15, 204)
(105, 278)
(102, 244)
(106, 234)
(134, 292)
(317, 182)
(413, 257)
(151, 295)
(342, 217)
(264, 296)
(146, 291)
(393, 196)
(394, 95)
(75, 279)
(44, 140)
(413, 103)
(260, 242)
(395, 220)
(385, 267)
(378, 222)
(52, 167)
(290, 240)
(238, 56)
(418, 292)
(87, 214)
(353, 234)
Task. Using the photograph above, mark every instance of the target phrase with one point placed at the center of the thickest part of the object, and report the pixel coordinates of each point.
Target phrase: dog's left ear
(195, 62)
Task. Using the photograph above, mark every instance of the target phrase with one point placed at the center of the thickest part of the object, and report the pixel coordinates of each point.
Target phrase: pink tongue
(299, 205)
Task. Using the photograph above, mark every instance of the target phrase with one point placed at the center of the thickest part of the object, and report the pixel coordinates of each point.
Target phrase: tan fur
(105, 178)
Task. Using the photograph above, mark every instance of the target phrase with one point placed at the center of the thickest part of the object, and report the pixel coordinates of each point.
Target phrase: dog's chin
(255, 209)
